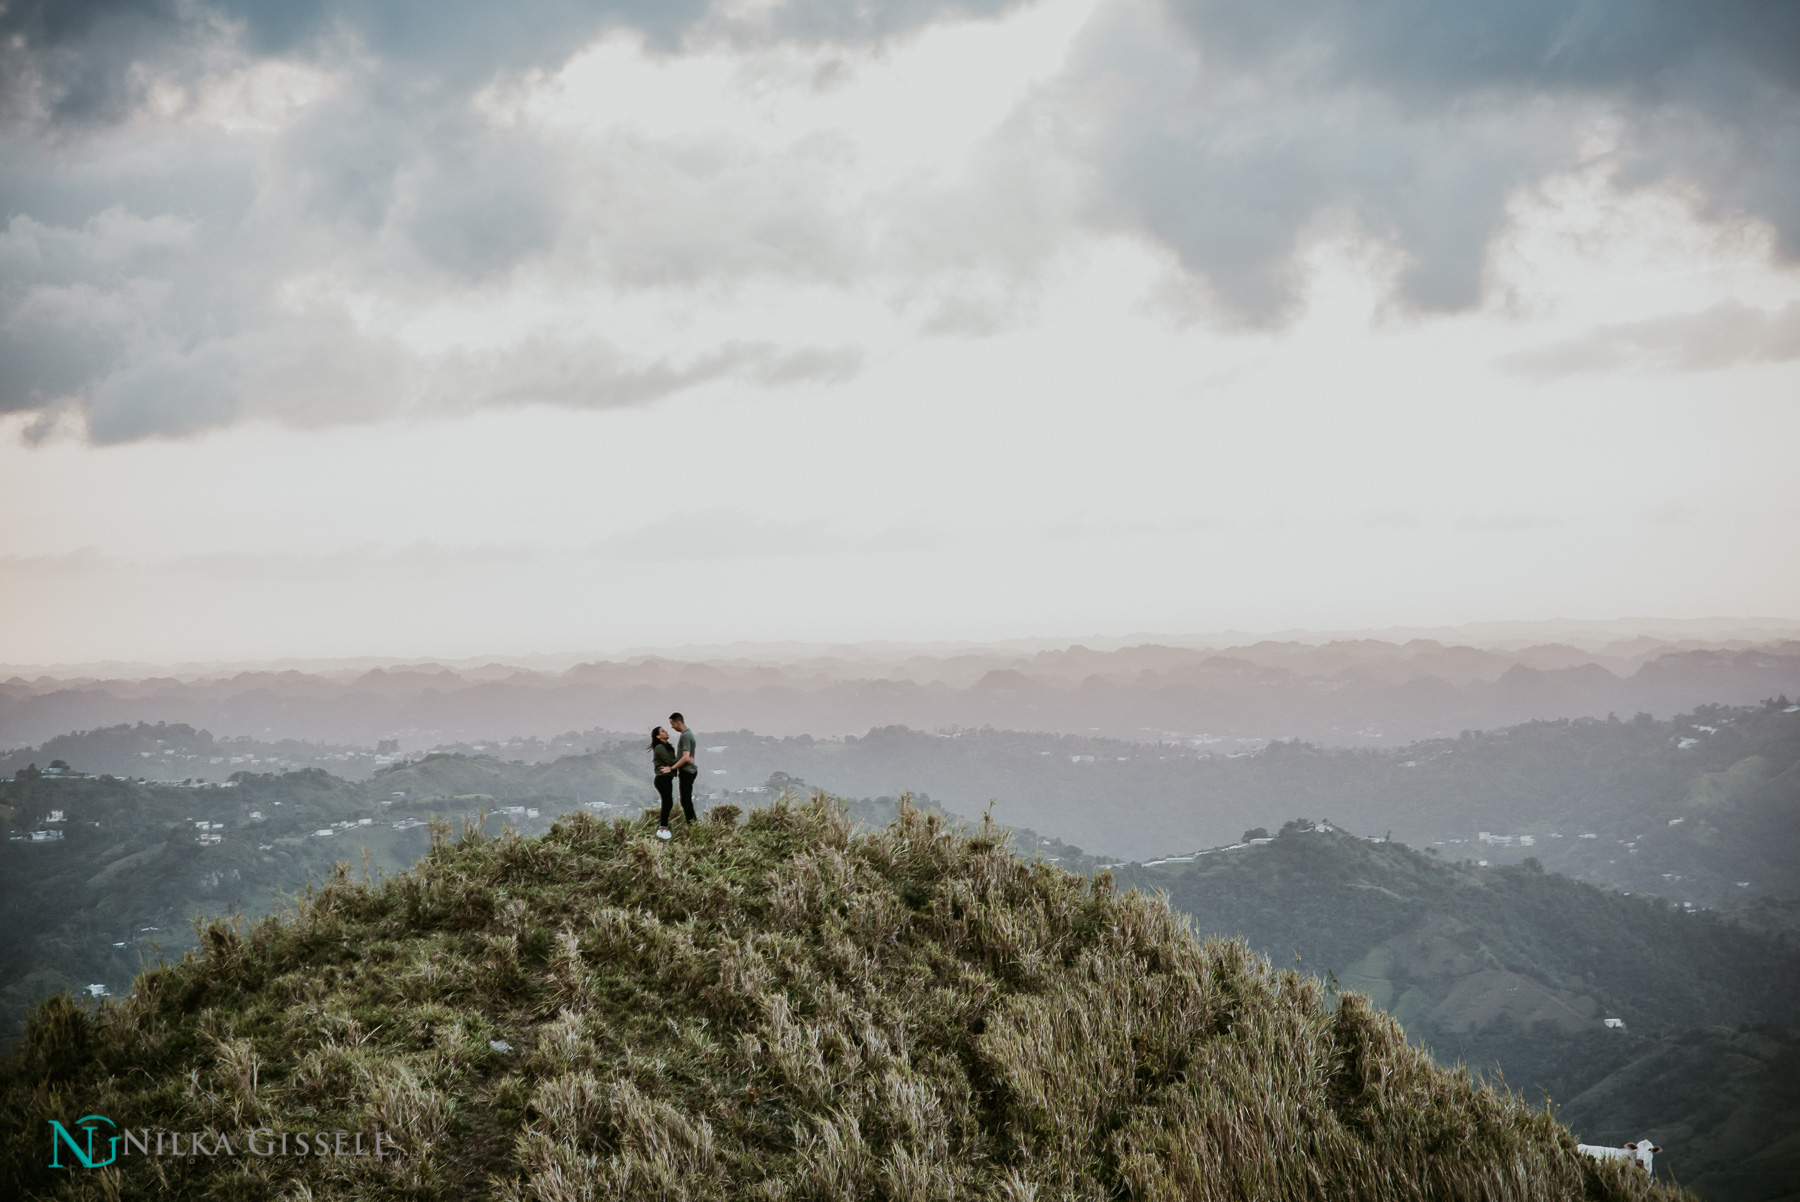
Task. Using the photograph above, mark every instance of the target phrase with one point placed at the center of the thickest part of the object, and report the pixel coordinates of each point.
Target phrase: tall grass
(781, 1008)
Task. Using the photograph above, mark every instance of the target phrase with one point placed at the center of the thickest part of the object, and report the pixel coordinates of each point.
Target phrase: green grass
(779, 1008)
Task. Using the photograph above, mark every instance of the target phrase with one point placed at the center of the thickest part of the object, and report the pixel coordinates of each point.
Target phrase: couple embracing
(674, 762)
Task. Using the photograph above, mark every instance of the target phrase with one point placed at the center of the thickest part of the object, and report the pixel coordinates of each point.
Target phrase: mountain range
(1363, 692)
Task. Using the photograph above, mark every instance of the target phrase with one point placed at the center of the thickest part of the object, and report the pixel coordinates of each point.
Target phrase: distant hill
(782, 1008)
(1702, 808)
(1684, 808)
(174, 751)
(1516, 969)
(1362, 692)
(1727, 1098)
(1411, 930)
(616, 778)
(131, 865)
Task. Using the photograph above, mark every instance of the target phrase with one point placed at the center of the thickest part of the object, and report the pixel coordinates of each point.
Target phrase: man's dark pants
(687, 793)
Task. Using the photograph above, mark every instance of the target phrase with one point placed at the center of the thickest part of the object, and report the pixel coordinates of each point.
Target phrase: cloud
(265, 305)
(1498, 522)
(1725, 335)
(1234, 134)
(222, 211)
(1669, 513)
(718, 534)
(80, 562)
(708, 535)
(173, 171)
(597, 375)
(422, 559)
(77, 61)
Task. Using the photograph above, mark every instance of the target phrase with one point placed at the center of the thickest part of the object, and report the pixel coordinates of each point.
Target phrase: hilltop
(779, 1008)
(133, 864)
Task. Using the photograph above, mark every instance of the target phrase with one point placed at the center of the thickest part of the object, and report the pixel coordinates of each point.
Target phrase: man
(686, 770)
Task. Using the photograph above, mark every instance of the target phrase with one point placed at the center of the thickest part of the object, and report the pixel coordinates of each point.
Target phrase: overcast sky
(339, 327)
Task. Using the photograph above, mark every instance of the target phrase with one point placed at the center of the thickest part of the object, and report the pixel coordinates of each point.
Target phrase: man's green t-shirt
(687, 747)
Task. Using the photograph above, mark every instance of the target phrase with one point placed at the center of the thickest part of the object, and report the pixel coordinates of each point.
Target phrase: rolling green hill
(134, 864)
(1514, 969)
(780, 1009)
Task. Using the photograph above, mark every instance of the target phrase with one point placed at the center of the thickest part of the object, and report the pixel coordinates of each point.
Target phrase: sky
(338, 328)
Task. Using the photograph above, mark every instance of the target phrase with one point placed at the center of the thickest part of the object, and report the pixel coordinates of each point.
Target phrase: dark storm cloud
(418, 172)
(1231, 132)
(1429, 51)
(80, 59)
(148, 266)
(393, 175)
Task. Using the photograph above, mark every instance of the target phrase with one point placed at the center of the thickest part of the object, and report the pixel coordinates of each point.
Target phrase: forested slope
(1513, 970)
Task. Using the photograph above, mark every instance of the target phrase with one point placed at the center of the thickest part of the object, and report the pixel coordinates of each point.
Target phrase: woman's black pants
(665, 788)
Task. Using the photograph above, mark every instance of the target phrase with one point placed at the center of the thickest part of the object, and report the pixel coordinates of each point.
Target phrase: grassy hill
(783, 1008)
(1514, 969)
(136, 863)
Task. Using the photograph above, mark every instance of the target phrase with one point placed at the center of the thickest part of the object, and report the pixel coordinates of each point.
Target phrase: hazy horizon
(1342, 691)
(1591, 636)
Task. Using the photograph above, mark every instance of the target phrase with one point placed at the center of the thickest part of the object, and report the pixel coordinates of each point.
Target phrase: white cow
(1643, 1151)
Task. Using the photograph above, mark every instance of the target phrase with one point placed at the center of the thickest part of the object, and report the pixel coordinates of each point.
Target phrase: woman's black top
(664, 755)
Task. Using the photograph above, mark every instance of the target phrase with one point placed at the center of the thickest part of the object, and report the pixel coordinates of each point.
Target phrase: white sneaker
(662, 832)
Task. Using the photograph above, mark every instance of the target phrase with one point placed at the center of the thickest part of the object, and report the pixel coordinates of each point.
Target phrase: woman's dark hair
(654, 731)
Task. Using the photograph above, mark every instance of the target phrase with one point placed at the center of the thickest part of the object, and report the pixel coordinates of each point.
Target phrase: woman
(662, 755)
